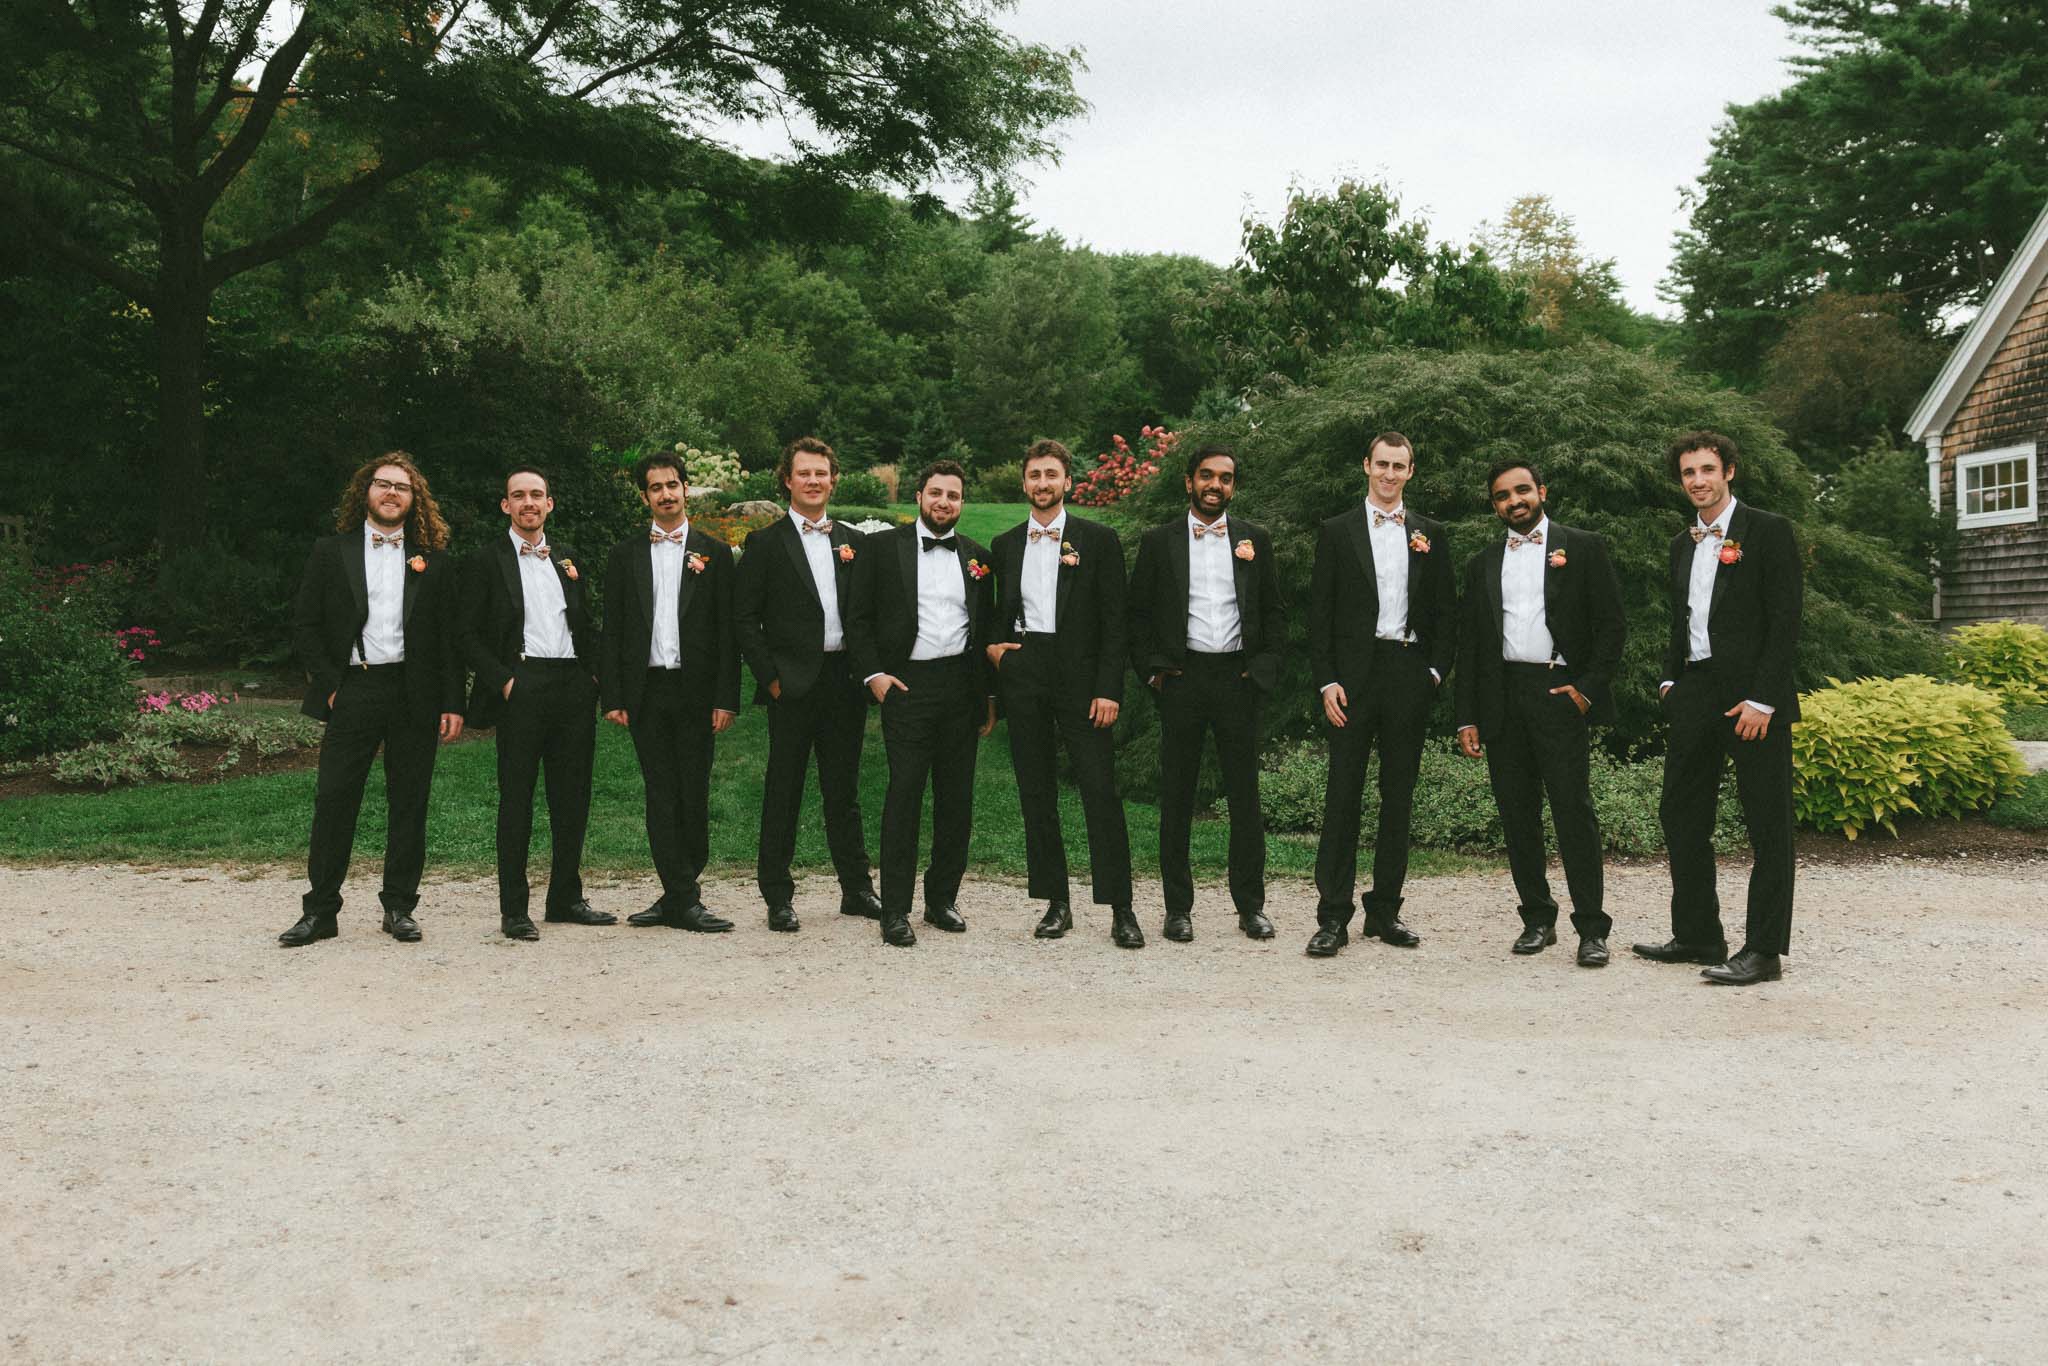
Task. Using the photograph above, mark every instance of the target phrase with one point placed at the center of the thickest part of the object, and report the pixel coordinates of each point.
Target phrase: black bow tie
(940, 543)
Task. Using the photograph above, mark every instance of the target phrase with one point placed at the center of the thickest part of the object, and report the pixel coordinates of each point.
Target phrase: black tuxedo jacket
(884, 624)
(1344, 599)
(1159, 601)
(1089, 605)
(1581, 606)
(710, 653)
(492, 616)
(777, 614)
(1753, 619)
(333, 604)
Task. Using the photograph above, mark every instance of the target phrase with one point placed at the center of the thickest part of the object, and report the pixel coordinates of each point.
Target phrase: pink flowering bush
(135, 642)
(158, 703)
(63, 680)
(1122, 471)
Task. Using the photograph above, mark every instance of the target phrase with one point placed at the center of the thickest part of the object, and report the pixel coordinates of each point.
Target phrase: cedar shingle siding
(2002, 571)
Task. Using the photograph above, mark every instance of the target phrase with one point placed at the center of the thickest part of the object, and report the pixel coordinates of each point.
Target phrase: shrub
(63, 680)
(859, 486)
(996, 484)
(2009, 658)
(1122, 472)
(1864, 752)
(149, 748)
(2026, 809)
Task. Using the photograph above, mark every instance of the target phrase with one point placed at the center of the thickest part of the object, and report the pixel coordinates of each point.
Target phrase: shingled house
(1985, 426)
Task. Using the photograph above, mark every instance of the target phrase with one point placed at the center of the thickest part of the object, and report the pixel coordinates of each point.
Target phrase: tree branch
(547, 29)
(224, 88)
(77, 168)
(202, 30)
(640, 63)
(316, 225)
(53, 238)
(441, 34)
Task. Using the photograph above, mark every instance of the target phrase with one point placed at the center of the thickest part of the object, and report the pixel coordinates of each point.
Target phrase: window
(1996, 488)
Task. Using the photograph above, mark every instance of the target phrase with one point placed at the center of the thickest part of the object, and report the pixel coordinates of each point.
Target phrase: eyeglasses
(389, 486)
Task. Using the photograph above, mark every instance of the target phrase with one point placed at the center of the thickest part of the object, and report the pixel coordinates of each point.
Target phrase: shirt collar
(370, 530)
(1540, 531)
(1193, 522)
(1727, 516)
(518, 540)
(1400, 508)
(1057, 526)
(682, 526)
(924, 530)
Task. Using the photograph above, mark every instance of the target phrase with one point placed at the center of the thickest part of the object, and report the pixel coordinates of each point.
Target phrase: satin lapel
(1738, 532)
(793, 541)
(842, 571)
(643, 570)
(1246, 585)
(697, 543)
(1010, 574)
(357, 573)
(1414, 574)
(906, 560)
(1495, 563)
(1177, 562)
(411, 591)
(1063, 577)
(967, 586)
(1551, 575)
(508, 566)
(1360, 531)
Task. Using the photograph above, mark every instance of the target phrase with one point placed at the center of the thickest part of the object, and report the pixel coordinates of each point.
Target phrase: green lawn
(982, 521)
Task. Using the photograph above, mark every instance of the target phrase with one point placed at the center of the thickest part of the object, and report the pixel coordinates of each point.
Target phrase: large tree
(126, 124)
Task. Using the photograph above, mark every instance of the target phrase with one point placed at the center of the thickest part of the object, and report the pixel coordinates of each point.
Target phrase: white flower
(872, 525)
(12, 719)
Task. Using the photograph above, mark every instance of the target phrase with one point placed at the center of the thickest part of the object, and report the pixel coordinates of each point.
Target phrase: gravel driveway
(647, 1145)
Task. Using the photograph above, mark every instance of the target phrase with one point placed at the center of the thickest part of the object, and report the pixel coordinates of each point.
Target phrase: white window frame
(2011, 516)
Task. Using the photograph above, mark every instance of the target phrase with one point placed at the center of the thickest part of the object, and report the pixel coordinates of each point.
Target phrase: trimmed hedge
(1864, 752)
(2009, 658)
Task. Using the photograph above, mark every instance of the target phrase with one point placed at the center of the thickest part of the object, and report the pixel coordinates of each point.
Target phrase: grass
(263, 820)
(2028, 723)
(982, 521)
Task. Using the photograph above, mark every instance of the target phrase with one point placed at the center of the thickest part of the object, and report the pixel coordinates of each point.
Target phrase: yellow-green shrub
(2009, 658)
(1863, 752)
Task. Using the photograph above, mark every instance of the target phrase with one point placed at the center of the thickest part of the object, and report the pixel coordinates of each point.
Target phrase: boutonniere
(417, 564)
(569, 568)
(846, 554)
(976, 569)
(1068, 555)
(1245, 550)
(1731, 551)
(699, 561)
(1557, 559)
(1418, 543)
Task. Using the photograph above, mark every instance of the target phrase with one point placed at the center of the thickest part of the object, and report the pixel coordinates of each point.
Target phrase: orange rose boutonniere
(1557, 559)
(977, 569)
(1068, 555)
(1419, 543)
(1245, 550)
(417, 564)
(1731, 551)
(699, 562)
(846, 554)
(569, 568)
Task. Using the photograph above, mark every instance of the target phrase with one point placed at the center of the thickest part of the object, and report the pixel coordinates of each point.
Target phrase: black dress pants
(1392, 708)
(830, 719)
(1699, 738)
(930, 733)
(1544, 746)
(371, 710)
(672, 739)
(1211, 694)
(549, 723)
(1043, 708)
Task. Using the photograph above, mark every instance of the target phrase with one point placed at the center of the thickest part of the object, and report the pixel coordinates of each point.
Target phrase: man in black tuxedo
(527, 635)
(1728, 690)
(1208, 626)
(670, 673)
(923, 615)
(370, 629)
(1537, 650)
(1382, 635)
(791, 605)
(1060, 672)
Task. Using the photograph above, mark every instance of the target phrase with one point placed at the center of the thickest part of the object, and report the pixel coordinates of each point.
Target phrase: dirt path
(646, 1145)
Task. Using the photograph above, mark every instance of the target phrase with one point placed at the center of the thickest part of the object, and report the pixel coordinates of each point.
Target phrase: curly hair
(424, 525)
(1723, 446)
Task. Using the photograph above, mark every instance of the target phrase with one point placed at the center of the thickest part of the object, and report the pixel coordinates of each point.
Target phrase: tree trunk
(180, 316)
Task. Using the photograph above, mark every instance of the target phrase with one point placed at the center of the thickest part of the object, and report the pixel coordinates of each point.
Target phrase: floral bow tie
(1051, 534)
(1700, 533)
(1533, 538)
(1399, 517)
(1215, 528)
(823, 528)
(540, 550)
(676, 537)
(394, 540)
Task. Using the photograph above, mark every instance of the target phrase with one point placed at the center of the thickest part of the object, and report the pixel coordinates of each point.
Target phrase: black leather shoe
(401, 926)
(896, 930)
(694, 917)
(653, 915)
(1179, 927)
(518, 927)
(1327, 939)
(1535, 939)
(1745, 969)
(946, 918)
(581, 913)
(1674, 951)
(860, 903)
(1392, 932)
(1057, 920)
(1255, 925)
(1123, 928)
(312, 925)
(782, 916)
(1592, 951)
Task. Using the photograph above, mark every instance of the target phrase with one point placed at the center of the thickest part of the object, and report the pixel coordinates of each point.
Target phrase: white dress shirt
(1214, 626)
(547, 610)
(665, 645)
(820, 554)
(1041, 578)
(383, 636)
(1699, 591)
(941, 599)
(1524, 624)
(1390, 569)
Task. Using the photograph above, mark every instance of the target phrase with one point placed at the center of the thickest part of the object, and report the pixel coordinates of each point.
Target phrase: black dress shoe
(896, 930)
(1745, 969)
(946, 918)
(581, 913)
(1535, 939)
(1392, 932)
(1255, 925)
(312, 925)
(653, 915)
(1179, 928)
(1592, 951)
(401, 926)
(1675, 951)
(1123, 928)
(693, 917)
(1328, 938)
(1057, 920)
(860, 903)
(518, 927)
(782, 916)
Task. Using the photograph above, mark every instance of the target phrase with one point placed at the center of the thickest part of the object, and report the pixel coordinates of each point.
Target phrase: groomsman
(1207, 628)
(922, 618)
(1540, 640)
(1728, 690)
(790, 607)
(670, 673)
(1382, 634)
(527, 635)
(369, 627)
(1060, 672)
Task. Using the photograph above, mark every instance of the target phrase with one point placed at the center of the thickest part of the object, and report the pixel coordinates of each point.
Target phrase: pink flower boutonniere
(846, 554)
(976, 569)
(1557, 559)
(1419, 543)
(1731, 551)
(1245, 550)
(1068, 555)
(569, 568)
(417, 564)
(699, 562)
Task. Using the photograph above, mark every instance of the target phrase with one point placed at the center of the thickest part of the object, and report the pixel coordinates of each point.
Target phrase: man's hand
(721, 719)
(1750, 724)
(989, 723)
(617, 716)
(881, 685)
(1155, 682)
(1578, 698)
(506, 691)
(998, 650)
(451, 726)
(1468, 741)
(1103, 712)
(775, 688)
(1664, 689)
(1334, 702)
